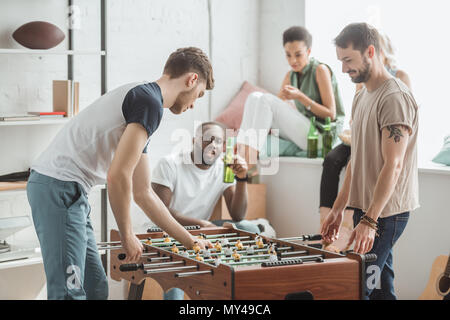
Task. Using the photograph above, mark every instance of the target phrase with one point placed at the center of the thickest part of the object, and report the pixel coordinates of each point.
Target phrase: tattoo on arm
(395, 132)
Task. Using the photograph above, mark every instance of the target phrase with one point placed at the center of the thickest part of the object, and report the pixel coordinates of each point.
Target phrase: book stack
(66, 97)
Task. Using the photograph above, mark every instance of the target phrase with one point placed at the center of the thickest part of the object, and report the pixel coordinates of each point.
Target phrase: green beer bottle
(228, 175)
(327, 137)
(313, 140)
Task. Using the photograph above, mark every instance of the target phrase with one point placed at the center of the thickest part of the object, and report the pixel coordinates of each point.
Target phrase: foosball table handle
(130, 267)
(313, 237)
(156, 229)
(370, 257)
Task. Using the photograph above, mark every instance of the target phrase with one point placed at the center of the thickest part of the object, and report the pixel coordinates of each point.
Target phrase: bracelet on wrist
(370, 224)
(242, 179)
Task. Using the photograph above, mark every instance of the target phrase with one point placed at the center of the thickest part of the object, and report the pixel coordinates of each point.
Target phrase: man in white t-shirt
(191, 183)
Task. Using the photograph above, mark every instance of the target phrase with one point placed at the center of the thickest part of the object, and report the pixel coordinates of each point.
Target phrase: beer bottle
(228, 159)
(313, 140)
(327, 137)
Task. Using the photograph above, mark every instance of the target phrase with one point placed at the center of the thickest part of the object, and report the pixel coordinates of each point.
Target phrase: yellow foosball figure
(196, 247)
(236, 256)
(269, 248)
(198, 257)
(148, 241)
(201, 236)
(239, 245)
(259, 242)
(166, 237)
(174, 248)
(218, 246)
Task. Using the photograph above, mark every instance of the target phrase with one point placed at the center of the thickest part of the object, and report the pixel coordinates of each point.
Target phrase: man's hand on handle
(133, 248)
(331, 226)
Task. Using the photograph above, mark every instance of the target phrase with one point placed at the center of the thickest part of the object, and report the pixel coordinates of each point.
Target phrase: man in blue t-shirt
(107, 143)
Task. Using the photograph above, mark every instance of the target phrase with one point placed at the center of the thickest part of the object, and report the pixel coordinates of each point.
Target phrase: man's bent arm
(120, 175)
(154, 208)
(394, 142)
(236, 198)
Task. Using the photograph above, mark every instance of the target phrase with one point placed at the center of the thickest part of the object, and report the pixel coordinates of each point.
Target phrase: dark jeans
(380, 273)
(333, 163)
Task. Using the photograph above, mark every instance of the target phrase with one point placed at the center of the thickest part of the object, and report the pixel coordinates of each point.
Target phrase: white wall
(275, 18)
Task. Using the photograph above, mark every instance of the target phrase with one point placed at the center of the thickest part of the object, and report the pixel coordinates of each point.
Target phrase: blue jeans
(61, 216)
(380, 273)
(178, 294)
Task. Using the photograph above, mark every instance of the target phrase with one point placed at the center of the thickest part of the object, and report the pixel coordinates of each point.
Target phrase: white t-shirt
(84, 148)
(195, 191)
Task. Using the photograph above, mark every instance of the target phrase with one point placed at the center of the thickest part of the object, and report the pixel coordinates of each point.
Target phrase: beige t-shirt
(391, 104)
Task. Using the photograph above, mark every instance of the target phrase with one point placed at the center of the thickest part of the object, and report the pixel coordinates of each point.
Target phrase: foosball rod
(112, 245)
(310, 237)
(193, 273)
(259, 256)
(300, 259)
(256, 251)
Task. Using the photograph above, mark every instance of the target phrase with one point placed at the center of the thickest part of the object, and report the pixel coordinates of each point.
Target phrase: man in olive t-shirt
(381, 181)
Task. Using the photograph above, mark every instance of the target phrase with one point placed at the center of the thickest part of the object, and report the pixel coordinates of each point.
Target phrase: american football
(38, 35)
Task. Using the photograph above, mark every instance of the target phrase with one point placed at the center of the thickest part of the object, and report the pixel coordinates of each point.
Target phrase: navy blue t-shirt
(143, 105)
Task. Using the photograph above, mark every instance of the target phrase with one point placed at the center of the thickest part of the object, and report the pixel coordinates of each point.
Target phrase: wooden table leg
(136, 291)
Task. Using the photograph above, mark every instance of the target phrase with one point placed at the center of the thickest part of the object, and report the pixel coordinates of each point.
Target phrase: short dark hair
(360, 35)
(190, 59)
(297, 34)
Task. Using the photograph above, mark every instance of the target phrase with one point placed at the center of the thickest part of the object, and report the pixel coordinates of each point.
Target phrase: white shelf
(34, 122)
(50, 51)
(22, 262)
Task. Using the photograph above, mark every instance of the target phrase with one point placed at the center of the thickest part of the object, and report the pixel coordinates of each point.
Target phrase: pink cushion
(232, 115)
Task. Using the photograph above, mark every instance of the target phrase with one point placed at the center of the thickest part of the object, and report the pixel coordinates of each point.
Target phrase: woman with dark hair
(310, 84)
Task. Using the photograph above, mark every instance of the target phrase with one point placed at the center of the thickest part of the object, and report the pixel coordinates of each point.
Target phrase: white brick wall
(141, 35)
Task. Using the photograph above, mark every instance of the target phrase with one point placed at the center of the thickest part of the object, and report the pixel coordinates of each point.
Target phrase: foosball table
(242, 265)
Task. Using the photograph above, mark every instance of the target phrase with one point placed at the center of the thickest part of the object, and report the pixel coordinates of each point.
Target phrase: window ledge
(427, 167)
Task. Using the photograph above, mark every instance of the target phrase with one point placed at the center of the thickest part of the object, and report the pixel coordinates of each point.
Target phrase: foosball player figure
(217, 261)
(184, 253)
(201, 236)
(239, 245)
(198, 257)
(218, 246)
(236, 256)
(259, 242)
(224, 242)
(148, 241)
(269, 247)
(250, 250)
(196, 247)
(273, 255)
(227, 251)
(166, 237)
(206, 253)
(174, 248)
